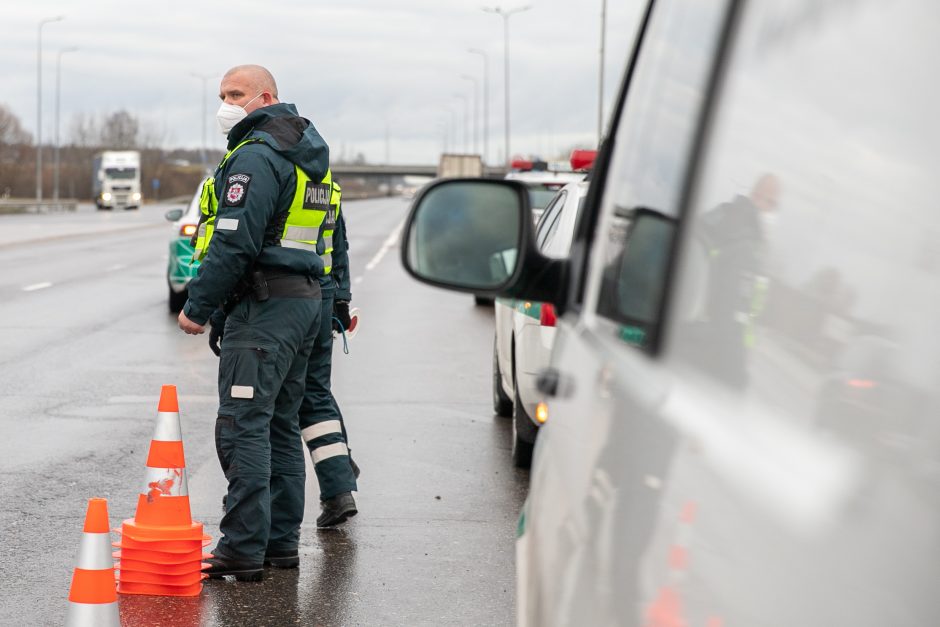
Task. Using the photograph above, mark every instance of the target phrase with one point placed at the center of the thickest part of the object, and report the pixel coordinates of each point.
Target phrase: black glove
(215, 336)
(341, 313)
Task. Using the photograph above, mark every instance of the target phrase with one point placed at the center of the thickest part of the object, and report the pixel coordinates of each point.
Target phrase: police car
(525, 331)
(544, 182)
(180, 266)
(742, 421)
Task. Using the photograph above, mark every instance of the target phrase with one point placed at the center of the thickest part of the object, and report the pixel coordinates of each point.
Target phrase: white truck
(116, 179)
(459, 165)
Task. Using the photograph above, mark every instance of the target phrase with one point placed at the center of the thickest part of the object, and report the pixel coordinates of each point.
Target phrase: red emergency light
(523, 165)
(582, 160)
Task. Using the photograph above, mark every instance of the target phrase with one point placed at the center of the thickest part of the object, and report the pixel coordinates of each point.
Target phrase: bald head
(248, 86)
(766, 192)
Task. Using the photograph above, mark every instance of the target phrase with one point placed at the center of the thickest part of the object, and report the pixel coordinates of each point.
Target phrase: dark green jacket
(255, 188)
(338, 278)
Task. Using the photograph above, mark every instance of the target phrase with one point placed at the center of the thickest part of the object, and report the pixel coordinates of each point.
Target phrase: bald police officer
(259, 262)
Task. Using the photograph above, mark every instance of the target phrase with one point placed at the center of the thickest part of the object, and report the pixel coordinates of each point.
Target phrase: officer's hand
(190, 327)
(341, 312)
(215, 336)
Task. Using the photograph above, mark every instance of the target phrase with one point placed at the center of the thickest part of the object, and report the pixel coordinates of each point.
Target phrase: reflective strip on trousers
(320, 429)
(330, 450)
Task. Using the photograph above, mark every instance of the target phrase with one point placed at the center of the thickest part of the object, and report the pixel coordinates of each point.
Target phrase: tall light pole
(505, 14)
(600, 81)
(58, 74)
(205, 114)
(486, 101)
(476, 111)
(466, 120)
(42, 23)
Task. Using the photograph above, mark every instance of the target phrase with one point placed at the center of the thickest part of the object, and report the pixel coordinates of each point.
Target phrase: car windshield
(120, 173)
(540, 196)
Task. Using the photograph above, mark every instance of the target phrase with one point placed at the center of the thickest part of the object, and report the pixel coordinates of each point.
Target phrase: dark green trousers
(321, 421)
(261, 385)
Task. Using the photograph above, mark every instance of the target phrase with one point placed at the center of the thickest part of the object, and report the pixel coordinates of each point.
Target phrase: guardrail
(20, 205)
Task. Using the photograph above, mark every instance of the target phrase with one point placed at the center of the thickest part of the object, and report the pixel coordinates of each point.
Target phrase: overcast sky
(354, 67)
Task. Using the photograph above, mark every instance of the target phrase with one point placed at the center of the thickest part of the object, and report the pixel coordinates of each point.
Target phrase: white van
(741, 426)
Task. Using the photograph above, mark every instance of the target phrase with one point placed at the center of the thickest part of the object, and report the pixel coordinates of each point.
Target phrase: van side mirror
(466, 234)
(174, 214)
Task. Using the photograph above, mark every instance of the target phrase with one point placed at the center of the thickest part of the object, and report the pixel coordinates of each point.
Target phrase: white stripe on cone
(93, 615)
(168, 427)
(166, 482)
(94, 552)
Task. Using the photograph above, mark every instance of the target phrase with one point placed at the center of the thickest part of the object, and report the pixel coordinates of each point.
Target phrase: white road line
(391, 241)
(37, 286)
(117, 266)
(357, 280)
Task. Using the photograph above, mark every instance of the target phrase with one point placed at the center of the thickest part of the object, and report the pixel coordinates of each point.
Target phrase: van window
(817, 205)
(650, 162)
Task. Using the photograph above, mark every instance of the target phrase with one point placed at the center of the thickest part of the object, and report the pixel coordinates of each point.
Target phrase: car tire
(524, 432)
(176, 300)
(502, 404)
(483, 301)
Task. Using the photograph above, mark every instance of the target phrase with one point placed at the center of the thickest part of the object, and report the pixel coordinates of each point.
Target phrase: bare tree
(11, 130)
(85, 132)
(120, 130)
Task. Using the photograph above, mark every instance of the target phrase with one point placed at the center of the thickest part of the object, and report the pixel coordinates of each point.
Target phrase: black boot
(282, 559)
(221, 566)
(336, 510)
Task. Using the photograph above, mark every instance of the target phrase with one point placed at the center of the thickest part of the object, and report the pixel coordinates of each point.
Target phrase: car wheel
(524, 432)
(483, 301)
(502, 404)
(176, 300)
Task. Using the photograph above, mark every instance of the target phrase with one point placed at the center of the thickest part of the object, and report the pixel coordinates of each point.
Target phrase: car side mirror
(174, 214)
(466, 234)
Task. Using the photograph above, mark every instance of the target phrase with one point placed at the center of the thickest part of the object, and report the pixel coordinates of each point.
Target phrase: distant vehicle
(181, 267)
(116, 179)
(742, 424)
(525, 330)
(459, 165)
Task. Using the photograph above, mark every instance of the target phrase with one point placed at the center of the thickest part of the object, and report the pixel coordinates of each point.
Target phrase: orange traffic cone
(92, 597)
(161, 547)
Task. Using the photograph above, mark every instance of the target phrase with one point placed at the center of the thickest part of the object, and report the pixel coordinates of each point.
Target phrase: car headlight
(136, 196)
(106, 196)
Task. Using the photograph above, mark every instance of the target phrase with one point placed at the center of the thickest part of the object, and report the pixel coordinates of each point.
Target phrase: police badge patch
(236, 188)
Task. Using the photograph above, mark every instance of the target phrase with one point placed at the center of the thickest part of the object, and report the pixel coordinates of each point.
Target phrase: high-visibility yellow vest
(313, 211)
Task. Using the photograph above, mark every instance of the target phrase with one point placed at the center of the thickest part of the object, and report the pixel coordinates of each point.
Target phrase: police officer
(259, 260)
(321, 421)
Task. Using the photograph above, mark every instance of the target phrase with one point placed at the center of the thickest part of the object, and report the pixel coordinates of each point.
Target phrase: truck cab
(741, 399)
(116, 179)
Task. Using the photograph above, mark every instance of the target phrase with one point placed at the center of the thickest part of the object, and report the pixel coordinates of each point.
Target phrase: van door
(601, 458)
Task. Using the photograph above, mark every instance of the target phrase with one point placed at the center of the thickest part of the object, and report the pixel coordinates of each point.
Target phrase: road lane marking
(117, 266)
(391, 241)
(37, 286)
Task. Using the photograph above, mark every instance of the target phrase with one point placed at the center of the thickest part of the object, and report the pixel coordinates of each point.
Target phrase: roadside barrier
(161, 548)
(92, 596)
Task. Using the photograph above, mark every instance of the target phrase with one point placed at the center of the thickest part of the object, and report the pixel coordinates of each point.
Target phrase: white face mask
(229, 115)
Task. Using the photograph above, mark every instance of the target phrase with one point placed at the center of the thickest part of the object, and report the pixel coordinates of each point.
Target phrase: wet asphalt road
(86, 341)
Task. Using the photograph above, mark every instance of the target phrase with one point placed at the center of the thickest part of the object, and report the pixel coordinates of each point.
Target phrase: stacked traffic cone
(92, 597)
(161, 547)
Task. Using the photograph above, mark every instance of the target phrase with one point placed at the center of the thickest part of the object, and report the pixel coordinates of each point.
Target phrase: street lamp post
(466, 120)
(486, 101)
(205, 115)
(58, 74)
(476, 111)
(505, 14)
(600, 81)
(42, 23)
